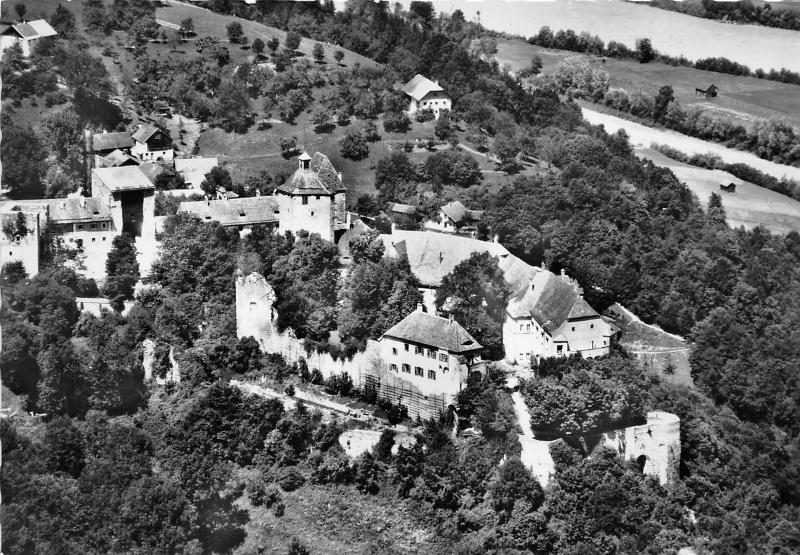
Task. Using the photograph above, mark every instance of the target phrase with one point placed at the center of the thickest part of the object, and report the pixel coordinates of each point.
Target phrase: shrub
(354, 146)
(424, 115)
(290, 479)
(394, 122)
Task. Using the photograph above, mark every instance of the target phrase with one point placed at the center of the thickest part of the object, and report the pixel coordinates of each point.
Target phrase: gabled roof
(419, 87)
(118, 158)
(234, 212)
(434, 331)
(432, 256)
(321, 178)
(460, 213)
(111, 141)
(25, 30)
(123, 178)
(145, 133)
(76, 210)
(549, 299)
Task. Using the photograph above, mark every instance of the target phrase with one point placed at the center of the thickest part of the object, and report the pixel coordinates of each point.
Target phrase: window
(591, 326)
(418, 371)
(406, 345)
(94, 239)
(93, 226)
(317, 197)
(560, 348)
(605, 342)
(104, 238)
(394, 350)
(406, 369)
(573, 328)
(10, 253)
(431, 375)
(443, 357)
(393, 367)
(419, 351)
(80, 226)
(104, 226)
(528, 328)
(521, 327)
(252, 306)
(312, 212)
(305, 200)
(431, 354)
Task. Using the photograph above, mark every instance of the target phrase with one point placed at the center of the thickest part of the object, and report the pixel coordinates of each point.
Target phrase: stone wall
(256, 317)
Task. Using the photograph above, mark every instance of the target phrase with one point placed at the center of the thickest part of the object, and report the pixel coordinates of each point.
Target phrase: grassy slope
(338, 520)
(741, 98)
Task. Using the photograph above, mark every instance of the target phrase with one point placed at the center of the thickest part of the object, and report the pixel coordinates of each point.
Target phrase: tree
(258, 47)
(233, 109)
(443, 129)
(354, 146)
(186, 28)
(338, 56)
(20, 9)
(218, 178)
(122, 270)
(319, 53)
(22, 157)
(396, 122)
(644, 50)
(321, 119)
(663, 98)
(288, 146)
(63, 21)
(273, 44)
(370, 131)
(235, 32)
(292, 41)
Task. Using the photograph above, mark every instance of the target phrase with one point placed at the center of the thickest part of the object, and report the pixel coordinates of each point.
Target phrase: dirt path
(535, 453)
(642, 135)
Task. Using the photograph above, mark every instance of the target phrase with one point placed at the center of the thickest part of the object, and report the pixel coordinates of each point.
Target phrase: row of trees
(645, 52)
(771, 139)
(740, 12)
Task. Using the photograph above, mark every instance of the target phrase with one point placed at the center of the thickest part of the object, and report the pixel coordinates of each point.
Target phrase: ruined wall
(148, 352)
(256, 317)
(656, 445)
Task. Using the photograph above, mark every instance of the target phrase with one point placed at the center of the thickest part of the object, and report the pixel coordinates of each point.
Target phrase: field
(749, 206)
(672, 33)
(743, 99)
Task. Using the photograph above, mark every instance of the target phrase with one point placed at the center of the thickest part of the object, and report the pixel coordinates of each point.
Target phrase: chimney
(258, 193)
(82, 200)
(394, 227)
(340, 175)
(450, 318)
(496, 238)
(420, 307)
(208, 201)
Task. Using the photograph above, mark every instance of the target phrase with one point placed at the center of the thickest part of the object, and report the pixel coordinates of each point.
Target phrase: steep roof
(434, 331)
(111, 141)
(321, 178)
(460, 213)
(550, 300)
(145, 132)
(123, 178)
(419, 87)
(25, 30)
(432, 256)
(239, 211)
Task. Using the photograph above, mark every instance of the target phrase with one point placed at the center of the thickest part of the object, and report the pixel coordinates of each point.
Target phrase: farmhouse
(152, 144)
(425, 94)
(546, 314)
(26, 34)
(434, 354)
(313, 199)
(402, 214)
(454, 217)
(104, 144)
(115, 159)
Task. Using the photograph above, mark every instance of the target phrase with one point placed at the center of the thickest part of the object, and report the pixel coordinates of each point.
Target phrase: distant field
(749, 206)
(743, 99)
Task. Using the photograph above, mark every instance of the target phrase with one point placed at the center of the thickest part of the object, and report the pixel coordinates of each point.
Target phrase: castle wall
(26, 249)
(256, 317)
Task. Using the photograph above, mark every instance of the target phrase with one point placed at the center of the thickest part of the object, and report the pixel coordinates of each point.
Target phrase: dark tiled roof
(419, 87)
(234, 212)
(25, 31)
(581, 309)
(435, 331)
(320, 178)
(550, 300)
(68, 210)
(145, 132)
(118, 158)
(111, 141)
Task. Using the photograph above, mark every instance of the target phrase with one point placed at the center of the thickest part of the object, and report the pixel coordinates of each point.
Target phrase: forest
(115, 465)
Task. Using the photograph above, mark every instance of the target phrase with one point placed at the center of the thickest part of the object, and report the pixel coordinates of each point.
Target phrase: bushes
(394, 122)
(290, 479)
(354, 146)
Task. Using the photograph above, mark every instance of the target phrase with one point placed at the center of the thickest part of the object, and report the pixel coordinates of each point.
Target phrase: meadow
(742, 99)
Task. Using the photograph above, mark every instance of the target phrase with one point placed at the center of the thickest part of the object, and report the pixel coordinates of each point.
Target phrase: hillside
(742, 99)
